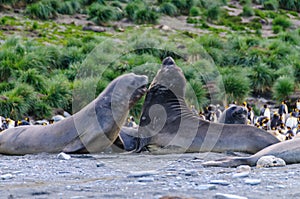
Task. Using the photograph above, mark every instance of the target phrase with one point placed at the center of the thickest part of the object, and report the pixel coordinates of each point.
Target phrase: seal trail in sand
(166, 121)
(92, 129)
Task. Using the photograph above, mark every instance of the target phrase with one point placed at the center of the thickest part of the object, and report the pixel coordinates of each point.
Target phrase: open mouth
(141, 90)
(137, 94)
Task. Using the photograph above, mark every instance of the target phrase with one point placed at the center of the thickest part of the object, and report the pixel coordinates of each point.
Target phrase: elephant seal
(90, 130)
(166, 121)
(288, 150)
(234, 115)
(127, 139)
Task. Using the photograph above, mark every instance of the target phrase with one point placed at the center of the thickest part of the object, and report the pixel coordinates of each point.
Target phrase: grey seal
(288, 150)
(234, 115)
(166, 121)
(92, 129)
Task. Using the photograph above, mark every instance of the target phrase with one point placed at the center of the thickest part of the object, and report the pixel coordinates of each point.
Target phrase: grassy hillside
(61, 54)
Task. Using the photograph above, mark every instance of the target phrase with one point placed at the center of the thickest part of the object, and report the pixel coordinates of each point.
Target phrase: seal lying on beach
(167, 122)
(234, 115)
(288, 150)
(92, 129)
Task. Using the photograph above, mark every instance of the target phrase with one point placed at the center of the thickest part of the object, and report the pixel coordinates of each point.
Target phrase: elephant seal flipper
(129, 138)
(166, 121)
(229, 162)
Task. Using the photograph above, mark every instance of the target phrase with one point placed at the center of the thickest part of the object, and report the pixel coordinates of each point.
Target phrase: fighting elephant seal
(127, 139)
(234, 115)
(288, 150)
(92, 129)
(166, 121)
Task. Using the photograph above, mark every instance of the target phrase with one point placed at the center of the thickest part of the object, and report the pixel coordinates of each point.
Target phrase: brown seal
(166, 121)
(92, 129)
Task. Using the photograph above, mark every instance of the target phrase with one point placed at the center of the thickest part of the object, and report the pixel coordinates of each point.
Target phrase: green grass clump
(101, 14)
(49, 9)
(183, 6)
(18, 101)
(196, 94)
(5, 70)
(282, 21)
(33, 78)
(213, 13)
(58, 92)
(35, 26)
(69, 7)
(145, 16)
(290, 5)
(290, 37)
(277, 29)
(237, 86)
(168, 9)
(252, 41)
(296, 65)
(248, 11)
(8, 20)
(211, 41)
(141, 13)
(195, 11)
(42, 10)
(6, 86)
(132, 7)
(234, 22)
(261, 78)
(283, 87)
(271, 4)
(260, 13)
(194, 20)
(255, 25)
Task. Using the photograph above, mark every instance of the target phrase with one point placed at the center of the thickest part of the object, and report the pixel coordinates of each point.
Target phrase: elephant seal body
(234, 115)
(166, 121)
(92, 129)
(127, 139)
(288, 150)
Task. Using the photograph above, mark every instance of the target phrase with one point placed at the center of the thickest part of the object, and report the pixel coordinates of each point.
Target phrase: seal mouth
(138, 94)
